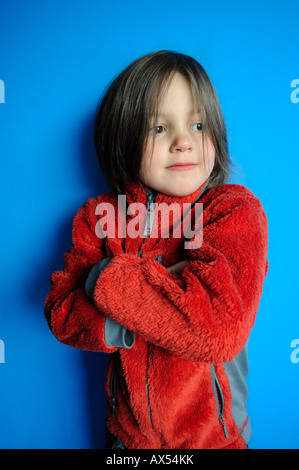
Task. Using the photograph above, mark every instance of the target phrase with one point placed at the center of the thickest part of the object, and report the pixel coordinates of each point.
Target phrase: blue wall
(55, 60)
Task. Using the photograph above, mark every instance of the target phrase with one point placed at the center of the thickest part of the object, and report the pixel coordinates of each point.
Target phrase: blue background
(55, 60)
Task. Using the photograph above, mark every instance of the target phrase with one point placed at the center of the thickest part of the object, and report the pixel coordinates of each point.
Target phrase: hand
(178, 267)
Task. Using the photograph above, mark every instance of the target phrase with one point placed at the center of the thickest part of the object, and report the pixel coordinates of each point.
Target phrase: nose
(181, 143)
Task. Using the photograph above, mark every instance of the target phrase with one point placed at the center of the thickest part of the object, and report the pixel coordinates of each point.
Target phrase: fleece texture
(160, 391)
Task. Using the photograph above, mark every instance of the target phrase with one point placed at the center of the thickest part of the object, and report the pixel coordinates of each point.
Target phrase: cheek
(149, 160)
(142, 172)
(209, 154)
(212, 158)
(145, 167)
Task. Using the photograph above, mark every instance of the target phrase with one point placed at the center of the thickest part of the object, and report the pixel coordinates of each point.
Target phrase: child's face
(175, 165)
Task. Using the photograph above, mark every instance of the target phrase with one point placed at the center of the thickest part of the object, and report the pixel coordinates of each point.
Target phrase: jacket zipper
(219, 399)
(147, 384)
(112, 387)
(113, 391)
(150, 209)
(149, 221)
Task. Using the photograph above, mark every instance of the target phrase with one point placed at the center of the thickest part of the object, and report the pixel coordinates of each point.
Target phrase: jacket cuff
(117, 335)
(93, 276)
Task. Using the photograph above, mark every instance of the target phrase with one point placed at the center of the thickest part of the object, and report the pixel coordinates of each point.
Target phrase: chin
(183, 190)
(177, 193)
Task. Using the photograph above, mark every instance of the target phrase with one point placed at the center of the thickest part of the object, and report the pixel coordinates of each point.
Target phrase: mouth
(182, 166)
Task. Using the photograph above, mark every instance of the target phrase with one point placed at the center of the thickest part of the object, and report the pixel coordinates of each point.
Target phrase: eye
(197, 126)
(157, 130)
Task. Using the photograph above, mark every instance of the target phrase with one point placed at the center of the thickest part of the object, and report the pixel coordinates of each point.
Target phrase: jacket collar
(139, 192)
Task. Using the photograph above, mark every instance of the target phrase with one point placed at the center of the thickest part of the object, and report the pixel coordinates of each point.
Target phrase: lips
(183, 166)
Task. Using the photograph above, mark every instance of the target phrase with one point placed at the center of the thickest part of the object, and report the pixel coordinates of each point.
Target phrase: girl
(175, 320)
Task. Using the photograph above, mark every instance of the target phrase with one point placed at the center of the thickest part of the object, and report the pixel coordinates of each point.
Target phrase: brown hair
(122, 121)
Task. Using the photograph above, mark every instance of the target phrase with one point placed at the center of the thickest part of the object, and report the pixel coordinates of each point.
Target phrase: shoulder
(228, 196)
(89, 207)
(86, 216)
(233, 202)
(230, 191)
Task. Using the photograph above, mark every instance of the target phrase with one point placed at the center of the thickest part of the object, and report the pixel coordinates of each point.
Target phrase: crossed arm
(206, 313)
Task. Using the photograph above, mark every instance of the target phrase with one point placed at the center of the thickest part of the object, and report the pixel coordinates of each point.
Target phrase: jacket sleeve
(71, 314)
(115, 334)
(207, 313)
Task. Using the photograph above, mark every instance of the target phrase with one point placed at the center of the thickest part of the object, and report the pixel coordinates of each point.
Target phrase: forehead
(177, 95)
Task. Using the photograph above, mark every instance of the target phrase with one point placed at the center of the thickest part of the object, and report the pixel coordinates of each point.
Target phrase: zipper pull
(149, 219)
(150, 209)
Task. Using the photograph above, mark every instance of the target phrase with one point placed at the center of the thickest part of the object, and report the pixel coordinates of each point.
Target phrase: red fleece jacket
(161, 388)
